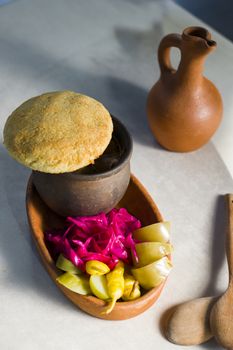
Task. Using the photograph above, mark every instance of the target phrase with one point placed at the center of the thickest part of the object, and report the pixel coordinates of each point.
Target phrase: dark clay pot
(80, 194)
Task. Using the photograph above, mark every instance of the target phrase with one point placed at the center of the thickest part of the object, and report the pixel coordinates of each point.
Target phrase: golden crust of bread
(58, 132)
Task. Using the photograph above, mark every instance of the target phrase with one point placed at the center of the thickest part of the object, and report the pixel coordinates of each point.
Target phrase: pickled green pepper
(66, 265)
(77, 283)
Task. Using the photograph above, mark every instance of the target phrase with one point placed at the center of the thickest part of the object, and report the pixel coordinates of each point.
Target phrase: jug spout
(199, 38)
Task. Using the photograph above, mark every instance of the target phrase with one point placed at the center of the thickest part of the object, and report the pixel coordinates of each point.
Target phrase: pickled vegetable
(149, 252)
(77, 283)
(131, 288)
(103, 237)
(95, 267)
(159, 232)
(66, 265)
(98, 284)
(154, 274)
(115, 285)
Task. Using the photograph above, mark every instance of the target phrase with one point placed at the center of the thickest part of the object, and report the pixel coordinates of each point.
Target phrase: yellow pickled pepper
(131, 288)
(115, 285)
(95, 267)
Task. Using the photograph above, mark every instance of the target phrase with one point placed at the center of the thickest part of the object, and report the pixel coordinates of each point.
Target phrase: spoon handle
(229, 237)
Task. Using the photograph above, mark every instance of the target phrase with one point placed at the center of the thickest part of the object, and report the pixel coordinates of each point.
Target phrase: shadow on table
(141, 45)
(210, 344)
(24, 267)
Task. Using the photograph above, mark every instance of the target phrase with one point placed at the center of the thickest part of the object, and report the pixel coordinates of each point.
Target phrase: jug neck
(190, 69)
(195, 46)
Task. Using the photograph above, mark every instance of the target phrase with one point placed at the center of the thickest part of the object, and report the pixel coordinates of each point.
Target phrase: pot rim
(122, 162)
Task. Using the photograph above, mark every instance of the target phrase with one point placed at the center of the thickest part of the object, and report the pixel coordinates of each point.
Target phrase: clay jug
(184, 108)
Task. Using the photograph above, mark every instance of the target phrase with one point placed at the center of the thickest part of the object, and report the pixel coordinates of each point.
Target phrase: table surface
(106, 49)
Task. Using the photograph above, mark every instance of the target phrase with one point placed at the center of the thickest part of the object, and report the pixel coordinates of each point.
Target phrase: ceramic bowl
(138, 202)
(77, 193)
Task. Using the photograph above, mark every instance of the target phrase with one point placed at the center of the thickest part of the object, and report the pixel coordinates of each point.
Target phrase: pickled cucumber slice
(66, 265)
(77, 283)
(149, 252)
(159, 232)
(98, 284)
(154, 274)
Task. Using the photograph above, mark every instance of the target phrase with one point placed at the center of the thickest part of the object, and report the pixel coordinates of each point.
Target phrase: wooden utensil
(188, 324)
(138, 202)
(221, 316)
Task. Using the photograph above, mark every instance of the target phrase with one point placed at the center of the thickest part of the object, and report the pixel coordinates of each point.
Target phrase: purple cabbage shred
(104, 237)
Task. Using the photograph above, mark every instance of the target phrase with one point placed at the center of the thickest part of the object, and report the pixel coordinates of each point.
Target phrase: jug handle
(169, 41)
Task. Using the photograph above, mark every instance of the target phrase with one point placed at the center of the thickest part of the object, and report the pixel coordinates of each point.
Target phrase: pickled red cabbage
(104, 237)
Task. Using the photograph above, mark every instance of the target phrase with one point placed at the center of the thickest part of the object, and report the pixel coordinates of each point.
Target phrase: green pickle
(95, 267)
(98, 284)
(154, 274)
(77, 283)
(131, 288)
(159, 232)
(149, 252)
(66, 265)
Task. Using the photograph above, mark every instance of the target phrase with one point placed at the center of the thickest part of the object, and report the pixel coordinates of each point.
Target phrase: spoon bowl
(188, 323)
(138, 202)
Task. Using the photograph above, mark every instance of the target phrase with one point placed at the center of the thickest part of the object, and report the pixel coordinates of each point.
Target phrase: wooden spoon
(188, 323)
(221, 316)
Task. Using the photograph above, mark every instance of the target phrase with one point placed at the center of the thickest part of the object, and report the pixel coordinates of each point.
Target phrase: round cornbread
(58, 132)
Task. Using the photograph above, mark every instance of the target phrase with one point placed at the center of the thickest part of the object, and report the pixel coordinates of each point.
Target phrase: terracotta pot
(75, 193)
(184, 108)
